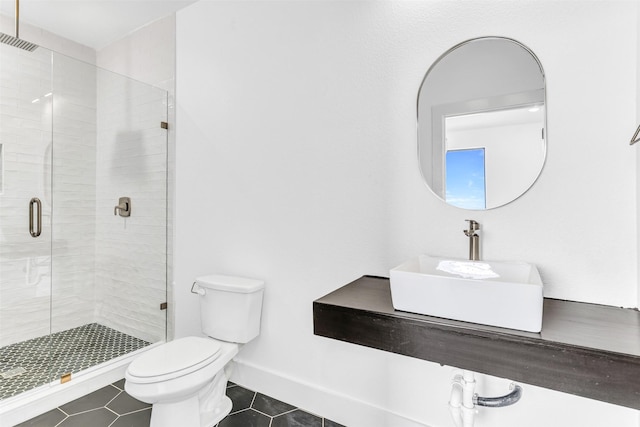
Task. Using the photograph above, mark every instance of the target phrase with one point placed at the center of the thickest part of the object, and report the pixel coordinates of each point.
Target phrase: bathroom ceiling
(94, 23)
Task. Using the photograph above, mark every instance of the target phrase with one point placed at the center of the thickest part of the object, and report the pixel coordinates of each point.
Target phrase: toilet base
(203, 409)
(225, 408)
(183, 413)
(187, 413)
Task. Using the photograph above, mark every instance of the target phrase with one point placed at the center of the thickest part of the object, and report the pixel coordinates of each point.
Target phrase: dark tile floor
(252, 409)
(111, 406)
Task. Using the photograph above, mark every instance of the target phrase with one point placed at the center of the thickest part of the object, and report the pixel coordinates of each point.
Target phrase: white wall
(147, 54)
(296, 163)
(578, 222)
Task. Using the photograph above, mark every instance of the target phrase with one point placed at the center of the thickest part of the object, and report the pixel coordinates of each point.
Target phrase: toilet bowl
(185, 380)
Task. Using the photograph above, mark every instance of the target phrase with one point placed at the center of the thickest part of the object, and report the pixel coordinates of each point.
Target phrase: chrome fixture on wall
(124, 207)
(635, 138)
(15, 41)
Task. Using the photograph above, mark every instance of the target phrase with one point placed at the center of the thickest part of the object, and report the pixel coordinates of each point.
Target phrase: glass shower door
(109, 268)
(82, 279)
(25, 218)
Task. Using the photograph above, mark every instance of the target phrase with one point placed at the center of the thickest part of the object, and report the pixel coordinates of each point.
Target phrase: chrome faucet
(474, 240)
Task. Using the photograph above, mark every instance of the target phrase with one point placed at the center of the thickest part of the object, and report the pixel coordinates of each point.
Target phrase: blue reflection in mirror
(465, 178)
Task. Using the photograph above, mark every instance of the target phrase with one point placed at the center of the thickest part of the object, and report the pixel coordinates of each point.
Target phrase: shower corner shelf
(584, 349)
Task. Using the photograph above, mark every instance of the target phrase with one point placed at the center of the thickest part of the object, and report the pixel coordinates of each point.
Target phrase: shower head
(16, 41)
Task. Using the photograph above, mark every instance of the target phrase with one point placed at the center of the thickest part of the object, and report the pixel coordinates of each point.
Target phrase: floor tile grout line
(114, 397)
(137, 410)
(88, 410)
(110, 410)
(112, 422)
(265, 414)
(282, 413)
(292, 410)
(238, 411)
(62, 420)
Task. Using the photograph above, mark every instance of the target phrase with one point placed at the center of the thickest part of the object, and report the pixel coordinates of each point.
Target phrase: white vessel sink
(505, 294)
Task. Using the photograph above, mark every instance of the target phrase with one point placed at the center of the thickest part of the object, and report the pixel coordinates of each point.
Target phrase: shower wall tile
(74, 145)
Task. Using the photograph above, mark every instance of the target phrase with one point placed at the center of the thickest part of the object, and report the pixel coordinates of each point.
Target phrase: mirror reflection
(481, 123)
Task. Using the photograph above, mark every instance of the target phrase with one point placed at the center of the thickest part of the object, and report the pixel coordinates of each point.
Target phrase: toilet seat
(174, 359)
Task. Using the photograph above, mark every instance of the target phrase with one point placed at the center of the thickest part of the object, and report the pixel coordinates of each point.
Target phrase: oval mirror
(482, 123)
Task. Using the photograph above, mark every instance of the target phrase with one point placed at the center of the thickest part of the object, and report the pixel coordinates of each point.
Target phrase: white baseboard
(312, 398)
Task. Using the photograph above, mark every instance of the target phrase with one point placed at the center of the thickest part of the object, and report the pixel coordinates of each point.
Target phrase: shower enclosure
(80, 284)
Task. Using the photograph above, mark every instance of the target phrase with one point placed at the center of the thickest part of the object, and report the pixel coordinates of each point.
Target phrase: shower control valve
(124, 207)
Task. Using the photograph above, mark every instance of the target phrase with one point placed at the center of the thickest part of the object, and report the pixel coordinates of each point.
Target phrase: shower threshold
(32, 363)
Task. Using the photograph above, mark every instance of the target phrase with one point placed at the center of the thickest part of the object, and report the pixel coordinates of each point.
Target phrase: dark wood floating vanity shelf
(584, 349)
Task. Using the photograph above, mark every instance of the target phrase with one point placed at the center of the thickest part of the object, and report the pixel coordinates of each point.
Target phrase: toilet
(185, 380)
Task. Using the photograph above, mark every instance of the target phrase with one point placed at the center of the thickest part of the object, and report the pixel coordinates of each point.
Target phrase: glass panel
(109, 270)
(131, 251)
(89, 288)
(25, 261)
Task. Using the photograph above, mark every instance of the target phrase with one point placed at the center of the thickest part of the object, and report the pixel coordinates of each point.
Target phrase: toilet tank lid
(230, 283)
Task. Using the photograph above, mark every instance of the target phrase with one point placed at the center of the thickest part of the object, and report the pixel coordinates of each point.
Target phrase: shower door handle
(35, 232)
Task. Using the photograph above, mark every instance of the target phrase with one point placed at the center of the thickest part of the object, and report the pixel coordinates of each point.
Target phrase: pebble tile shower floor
(32, 363)
(111, 406)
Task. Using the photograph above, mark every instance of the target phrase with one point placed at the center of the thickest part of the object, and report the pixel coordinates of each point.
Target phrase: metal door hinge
(163, 306)
(164, 125)
(65, 378)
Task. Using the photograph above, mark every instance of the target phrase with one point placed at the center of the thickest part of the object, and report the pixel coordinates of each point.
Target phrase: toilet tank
(230, 307)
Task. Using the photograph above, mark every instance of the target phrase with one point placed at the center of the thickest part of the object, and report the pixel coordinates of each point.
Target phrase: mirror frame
(481, 105)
